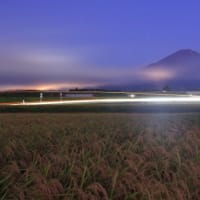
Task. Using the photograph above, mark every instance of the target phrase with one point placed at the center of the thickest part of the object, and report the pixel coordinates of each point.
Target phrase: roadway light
(171, 100)
(132, 95)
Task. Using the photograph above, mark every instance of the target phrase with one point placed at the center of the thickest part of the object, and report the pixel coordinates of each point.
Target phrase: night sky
(49, 44)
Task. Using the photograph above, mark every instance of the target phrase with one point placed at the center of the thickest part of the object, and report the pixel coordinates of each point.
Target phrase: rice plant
(100, 156)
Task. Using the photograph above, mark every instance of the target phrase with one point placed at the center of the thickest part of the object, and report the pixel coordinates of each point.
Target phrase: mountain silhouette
(178, 71)
(182, 58)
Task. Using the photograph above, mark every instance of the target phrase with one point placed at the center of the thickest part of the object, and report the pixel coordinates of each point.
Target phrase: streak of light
(171, 100)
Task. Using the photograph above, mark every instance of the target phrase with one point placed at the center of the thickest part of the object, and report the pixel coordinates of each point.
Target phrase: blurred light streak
(171, 100)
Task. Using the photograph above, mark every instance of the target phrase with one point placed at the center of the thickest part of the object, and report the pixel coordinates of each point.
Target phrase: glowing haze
(65, 44)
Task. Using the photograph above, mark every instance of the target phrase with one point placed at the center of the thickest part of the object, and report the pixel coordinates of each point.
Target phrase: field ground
(27, 99)
(52, 96)
(105, 108)
(100, 156)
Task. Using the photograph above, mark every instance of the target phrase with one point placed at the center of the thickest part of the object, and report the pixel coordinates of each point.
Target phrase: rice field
(103, 156)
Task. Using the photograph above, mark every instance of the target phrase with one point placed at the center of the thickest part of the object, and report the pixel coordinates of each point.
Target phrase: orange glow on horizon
(50, 86)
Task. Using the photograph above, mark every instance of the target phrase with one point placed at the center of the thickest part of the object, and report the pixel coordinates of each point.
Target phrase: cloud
(45, 67)
(158, 74)
(31, 67)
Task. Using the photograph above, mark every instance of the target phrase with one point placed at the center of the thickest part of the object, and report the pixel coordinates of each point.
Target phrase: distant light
(132, 95)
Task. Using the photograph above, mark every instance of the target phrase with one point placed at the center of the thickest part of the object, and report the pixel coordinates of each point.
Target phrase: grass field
(100, 156)
(104, 108)
(26, 99)
(52, 96)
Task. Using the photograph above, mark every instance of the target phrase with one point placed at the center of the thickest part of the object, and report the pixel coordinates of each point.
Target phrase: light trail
(171, 100)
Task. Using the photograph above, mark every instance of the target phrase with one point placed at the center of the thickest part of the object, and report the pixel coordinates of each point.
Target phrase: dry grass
(100, 156)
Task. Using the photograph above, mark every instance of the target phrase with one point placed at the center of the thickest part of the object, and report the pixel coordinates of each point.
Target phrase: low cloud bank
(54, 69)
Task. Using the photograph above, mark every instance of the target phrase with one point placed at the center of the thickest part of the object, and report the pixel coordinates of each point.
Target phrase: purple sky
(68, 43)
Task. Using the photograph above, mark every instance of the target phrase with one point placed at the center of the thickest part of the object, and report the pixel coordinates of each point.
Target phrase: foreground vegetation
(100, 156)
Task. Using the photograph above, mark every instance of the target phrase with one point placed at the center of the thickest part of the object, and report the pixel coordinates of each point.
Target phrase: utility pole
(41, 96)
(60, 96)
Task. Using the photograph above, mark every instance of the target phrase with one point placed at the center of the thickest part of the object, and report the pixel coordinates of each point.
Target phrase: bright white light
(171, 100)
(132, 95)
